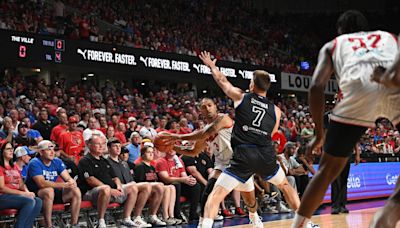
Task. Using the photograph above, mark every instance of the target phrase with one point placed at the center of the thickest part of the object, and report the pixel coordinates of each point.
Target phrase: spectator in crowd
(123, 172)
(14, 119)
(307, 133)
(171, 170)
(146, 172)
(184, 127)
(102, 185)
(13, 192)
(132, 127)
(7, 132)
(23, 156)
(60, 128)
(289, 164)
(22, 139)
(32, 132)
(134, 147)
(43, 172)
(302, 180)
(44, 125)
(147, 130)
(162, 125)
(92, 129)
(71, 141)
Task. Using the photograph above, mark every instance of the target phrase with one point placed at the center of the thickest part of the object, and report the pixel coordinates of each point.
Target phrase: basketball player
(217, 135)
(256, 120)
(352, 56)
(389, 216)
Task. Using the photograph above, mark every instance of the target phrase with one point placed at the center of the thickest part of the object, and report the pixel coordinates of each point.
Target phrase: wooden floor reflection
(355, 219)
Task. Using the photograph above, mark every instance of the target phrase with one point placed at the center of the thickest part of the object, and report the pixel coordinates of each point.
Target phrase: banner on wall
(301, 83)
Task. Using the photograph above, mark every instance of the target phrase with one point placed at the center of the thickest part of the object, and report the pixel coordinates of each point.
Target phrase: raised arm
(232, 92)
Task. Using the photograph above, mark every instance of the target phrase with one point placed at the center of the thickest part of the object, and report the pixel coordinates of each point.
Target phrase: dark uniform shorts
(248, 160)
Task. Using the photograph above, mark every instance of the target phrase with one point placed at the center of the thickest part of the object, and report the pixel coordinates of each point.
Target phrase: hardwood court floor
(355, 219)
(360, 215)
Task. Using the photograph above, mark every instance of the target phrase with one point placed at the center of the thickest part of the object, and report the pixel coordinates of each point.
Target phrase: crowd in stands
(106, 135)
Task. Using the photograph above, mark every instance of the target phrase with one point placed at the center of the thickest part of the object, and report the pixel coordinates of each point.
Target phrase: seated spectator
(32, 132)
(71, 141)
(43, 172)
(7, 131)
(289, 164)
(145, 172)
(44, 125)
(302, 180)
(92, 129)
(23, 156)
(125, 174)
(60, 128)
(13, 192)
(171, 170)
(134, 147)
(132, 127)
(101, 186)
(22, 139)
(147, 131)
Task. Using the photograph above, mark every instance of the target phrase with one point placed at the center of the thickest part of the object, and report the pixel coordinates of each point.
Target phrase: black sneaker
(344, 210)
(335, 211)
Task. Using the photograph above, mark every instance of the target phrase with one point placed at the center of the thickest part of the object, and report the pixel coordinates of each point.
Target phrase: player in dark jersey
(256, 120)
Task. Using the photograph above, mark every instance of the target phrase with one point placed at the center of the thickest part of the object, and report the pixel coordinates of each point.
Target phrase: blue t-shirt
(34, 134)
(50, 173)
(24, 172)
(134, 152)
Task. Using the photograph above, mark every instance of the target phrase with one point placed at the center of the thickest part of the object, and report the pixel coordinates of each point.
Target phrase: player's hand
(357, 160)
(314, 145)
(116, 193)
(205, 56)
(377, 74)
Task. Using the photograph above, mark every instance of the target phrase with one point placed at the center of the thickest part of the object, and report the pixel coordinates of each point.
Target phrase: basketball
(162, 144)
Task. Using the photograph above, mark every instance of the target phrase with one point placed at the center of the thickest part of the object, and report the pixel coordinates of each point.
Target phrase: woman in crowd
(13, 192)
(146, 172)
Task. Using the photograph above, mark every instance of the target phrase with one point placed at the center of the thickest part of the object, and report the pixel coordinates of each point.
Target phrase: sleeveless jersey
(220, 146)
(255, 120)
(355, 57)
(352, 51)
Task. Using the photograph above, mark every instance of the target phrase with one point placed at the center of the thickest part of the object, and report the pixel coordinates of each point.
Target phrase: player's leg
(224, 185)
(290, 194)
(339, 144)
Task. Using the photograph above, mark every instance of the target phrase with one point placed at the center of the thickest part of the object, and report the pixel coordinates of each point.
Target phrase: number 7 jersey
(254, 121)
(354, 58)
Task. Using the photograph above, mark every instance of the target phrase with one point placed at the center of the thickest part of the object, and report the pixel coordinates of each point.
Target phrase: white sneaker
(139, 222)
(219, 218)
(282, 208)
(311, 225)
(154, 220)
(256, 221)
(102, 224)
(128, 223)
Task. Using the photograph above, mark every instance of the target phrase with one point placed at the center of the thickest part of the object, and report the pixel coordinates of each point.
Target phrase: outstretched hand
(315, 144)
(378, 73)
(205, 56)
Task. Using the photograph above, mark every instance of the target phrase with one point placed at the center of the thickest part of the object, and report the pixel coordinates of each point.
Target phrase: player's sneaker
(312, 225)
(256, 221)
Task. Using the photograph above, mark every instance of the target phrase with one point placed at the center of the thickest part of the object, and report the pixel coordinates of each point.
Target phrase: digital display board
(37, 49)
(369, 180)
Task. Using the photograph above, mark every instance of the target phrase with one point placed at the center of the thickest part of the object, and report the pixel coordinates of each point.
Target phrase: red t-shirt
(12, 176)
(56, 132)
(72, 143)
(173, 170)
(120, 136)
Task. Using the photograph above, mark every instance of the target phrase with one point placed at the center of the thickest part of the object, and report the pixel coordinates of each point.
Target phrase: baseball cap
(21, 151)
(150, 144)
(135, 133)
(290, 145)
(45, 144)
(130, 119)
(72, 119)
